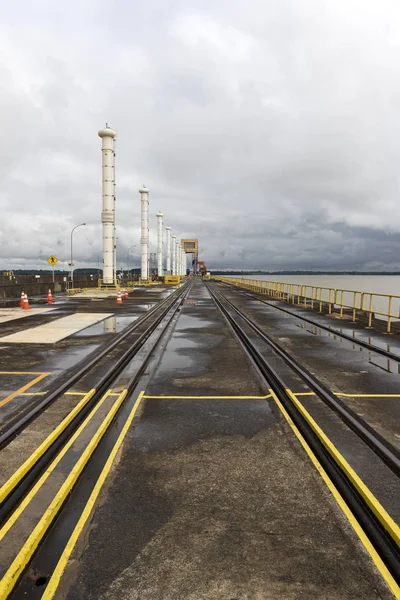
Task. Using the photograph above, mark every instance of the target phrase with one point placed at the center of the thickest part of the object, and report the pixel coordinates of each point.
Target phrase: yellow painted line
(25, 554)
(7, 487)
(207, 397)
(342, 504)
(369, 395)
(23, 388)
(23, 373)
(10, 522)
(374, 504)
(351, 395)
(52, 586)
(33, 394)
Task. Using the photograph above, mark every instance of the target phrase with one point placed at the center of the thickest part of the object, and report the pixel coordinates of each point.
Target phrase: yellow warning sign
(52, 260)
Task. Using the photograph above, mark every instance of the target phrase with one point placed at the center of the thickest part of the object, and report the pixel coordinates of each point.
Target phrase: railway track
(381, 531)
(33, 499)
(119, 345)
(337, 332)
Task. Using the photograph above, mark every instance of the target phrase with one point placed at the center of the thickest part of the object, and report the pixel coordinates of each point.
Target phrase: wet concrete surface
(380, 480)
(55, 359)
(341, 365)
(215, 498)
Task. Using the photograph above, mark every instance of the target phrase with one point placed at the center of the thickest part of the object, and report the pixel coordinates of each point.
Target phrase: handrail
(336, 300)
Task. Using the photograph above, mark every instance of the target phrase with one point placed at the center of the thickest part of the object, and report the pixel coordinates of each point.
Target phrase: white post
(160, 244)
(183, 262)
(144, 240)
(168, 230)
(108, 209)
(173, 237)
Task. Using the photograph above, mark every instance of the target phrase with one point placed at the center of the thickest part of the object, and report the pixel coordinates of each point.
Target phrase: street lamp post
(134, 246)
(72, 262)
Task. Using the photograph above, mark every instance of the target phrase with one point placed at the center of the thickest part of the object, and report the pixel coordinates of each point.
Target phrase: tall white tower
(108, 209)
(183, 262)
(173, 242)
(144, 197)
(168, 230)
(178, 257)
(160, 269)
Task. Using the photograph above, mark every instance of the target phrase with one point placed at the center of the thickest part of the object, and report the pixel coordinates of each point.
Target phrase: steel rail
(386, 451)
(345, 336)
(11, 431)
(383, 543)
(20, 489)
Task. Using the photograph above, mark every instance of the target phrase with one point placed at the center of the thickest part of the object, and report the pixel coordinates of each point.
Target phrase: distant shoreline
(274, 273)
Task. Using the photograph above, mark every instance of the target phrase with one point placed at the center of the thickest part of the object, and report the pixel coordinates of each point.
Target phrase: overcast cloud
(268, 129)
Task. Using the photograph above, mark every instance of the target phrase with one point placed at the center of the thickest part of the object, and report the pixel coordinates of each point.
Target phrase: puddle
(195, 322)
(110, 325)
(66, 358)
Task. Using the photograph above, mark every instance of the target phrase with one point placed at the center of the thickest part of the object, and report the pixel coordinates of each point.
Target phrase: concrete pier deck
(212, 496)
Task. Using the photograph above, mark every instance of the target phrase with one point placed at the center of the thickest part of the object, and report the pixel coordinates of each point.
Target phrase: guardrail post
(370, 311)
(389, 314)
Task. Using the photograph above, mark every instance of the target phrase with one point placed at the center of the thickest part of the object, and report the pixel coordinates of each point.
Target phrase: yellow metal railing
(370, 304)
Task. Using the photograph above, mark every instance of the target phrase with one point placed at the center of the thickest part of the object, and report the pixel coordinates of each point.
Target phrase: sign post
(52, 260)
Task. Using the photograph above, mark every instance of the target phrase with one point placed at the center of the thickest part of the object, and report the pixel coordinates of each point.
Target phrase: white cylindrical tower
(178, 257)
(183, 262)
(160, 244)
(173, 243)
(144, 240)
(168, 230)
(108, 209)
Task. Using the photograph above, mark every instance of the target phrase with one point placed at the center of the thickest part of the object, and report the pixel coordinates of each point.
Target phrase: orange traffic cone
(49, 297)
(119, 297)
(126, 295)
(21, 302)
(25, 305)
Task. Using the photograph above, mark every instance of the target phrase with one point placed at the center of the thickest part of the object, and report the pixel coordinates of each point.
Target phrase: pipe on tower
(168, 230)
(160, 269)
(108, 206)
(144, 240)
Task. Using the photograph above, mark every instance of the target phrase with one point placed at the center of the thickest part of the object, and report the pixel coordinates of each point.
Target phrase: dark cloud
(269, 130)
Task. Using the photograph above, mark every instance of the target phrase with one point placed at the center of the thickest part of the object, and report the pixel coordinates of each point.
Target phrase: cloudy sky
(269, 129)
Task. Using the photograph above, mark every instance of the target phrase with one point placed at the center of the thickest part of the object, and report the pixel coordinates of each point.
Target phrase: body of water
(375, 284)
(380, 284)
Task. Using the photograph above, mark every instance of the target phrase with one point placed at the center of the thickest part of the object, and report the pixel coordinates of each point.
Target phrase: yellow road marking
(33, 394)
(23, 373)
(7, 487)
(75, 393)
(10, 522)
(342, 504)
(25, 554)
(24, 387)
(369, 498)
(52, 586)
(207, 397)
(369, 395)
(351, 395)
